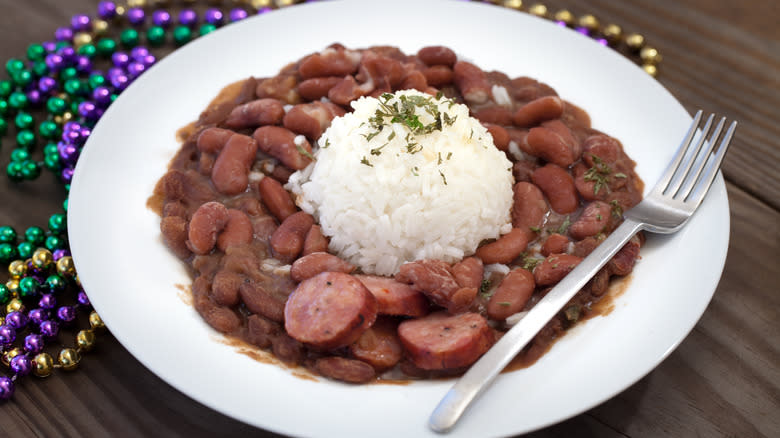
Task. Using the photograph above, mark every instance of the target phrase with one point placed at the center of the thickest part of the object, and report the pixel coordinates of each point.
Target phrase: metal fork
(666, 209)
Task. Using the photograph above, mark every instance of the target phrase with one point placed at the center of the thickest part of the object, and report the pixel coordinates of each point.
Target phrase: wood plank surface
(722, 381)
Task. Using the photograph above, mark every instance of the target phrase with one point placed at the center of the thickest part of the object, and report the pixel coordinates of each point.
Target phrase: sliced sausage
(330, 310)
(440, 341)
(433, 278)
(394, 297)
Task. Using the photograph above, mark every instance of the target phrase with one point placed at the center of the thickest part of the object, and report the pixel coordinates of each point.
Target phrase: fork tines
(692, 169)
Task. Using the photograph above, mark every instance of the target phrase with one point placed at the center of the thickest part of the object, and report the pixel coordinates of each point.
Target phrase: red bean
(213, 139)
(238, 230)
(438, 75)
(537, 111)
(276, 198)
(174, 233)
(604, 147)
(512, 294)
(623, 262)
(552, 269)
(529, 209)
(437, 55)
(264, 227)
(520, 137)
(593, 220)
(522, 170)
(505, 249)
(472, 82)
(314, 241)
(348, 89)
(558, 186)
(495, 114)
(525, 89)
(468, 272)
(599, 283)
(287, 240)
(553, 142)
(317, 88)
(379, 346)
(230, 173)
(316, 263)
(414, 80)
(586, 188)
(311, 119)
(261, 330)
(345, 370)
(220, 318)
(555, 244)
(584, 247)
(287, 349)
(206, 223)
(329, 62)
(261, 302)
(280, 143)
(384, 72)
(282, 87)
(224, 289)
(256, 113)
(500, 136)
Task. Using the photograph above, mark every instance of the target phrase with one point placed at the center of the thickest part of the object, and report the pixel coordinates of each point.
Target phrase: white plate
(135, 292)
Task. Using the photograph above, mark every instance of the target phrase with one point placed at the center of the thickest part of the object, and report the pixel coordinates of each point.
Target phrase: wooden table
(724, 380)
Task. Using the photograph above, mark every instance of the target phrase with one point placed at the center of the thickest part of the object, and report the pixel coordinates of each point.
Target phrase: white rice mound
(383, 209)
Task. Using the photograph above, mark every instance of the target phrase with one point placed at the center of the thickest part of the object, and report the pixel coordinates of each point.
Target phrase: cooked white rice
(388, 197)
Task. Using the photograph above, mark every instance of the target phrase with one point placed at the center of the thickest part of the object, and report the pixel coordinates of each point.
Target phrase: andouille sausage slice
(330, 310)
(395, 298)
(440, 341)
(433, 278)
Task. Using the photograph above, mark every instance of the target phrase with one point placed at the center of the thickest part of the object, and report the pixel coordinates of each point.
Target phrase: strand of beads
(632, 45)
(44, 278)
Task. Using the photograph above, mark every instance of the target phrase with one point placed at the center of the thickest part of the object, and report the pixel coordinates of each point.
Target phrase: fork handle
(485, 370)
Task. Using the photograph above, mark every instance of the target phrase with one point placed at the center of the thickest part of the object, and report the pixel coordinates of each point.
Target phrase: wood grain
(722, 381)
